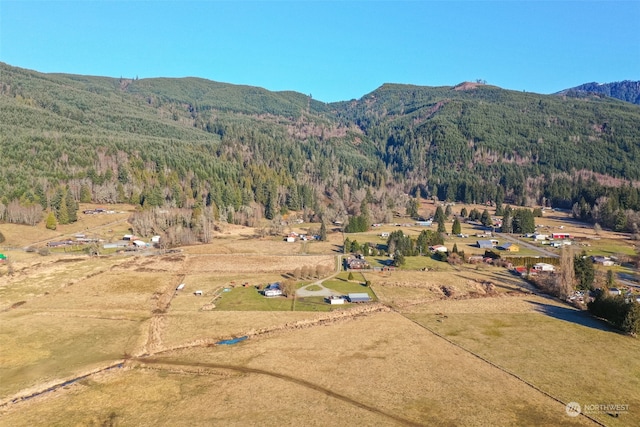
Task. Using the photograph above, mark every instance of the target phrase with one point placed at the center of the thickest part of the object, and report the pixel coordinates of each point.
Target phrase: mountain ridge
(248, 153)
(626, 90)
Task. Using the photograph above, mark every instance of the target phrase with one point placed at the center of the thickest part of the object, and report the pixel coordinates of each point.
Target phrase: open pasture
(410, 363)
(562, 351)
(380, 369)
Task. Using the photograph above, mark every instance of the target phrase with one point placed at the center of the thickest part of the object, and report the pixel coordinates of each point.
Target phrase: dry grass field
(451, 346)
(379, 369)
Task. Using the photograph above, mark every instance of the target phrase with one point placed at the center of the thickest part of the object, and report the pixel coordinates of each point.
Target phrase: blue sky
(334, 50)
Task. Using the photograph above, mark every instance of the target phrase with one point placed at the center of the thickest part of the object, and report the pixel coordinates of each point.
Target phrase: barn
(485, 244)
(358, 297)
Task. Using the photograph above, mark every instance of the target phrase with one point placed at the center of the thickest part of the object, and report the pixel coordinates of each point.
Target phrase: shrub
(622, 314)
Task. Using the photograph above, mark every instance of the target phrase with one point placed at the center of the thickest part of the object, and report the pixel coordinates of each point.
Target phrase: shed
(510, 247)
(424, 223)
(139, 244)
(359, 297)
(198, 293)
(605, 261)
(541, 266)
(180, 287)
(485, 244)
(334, 300)
(155, 239)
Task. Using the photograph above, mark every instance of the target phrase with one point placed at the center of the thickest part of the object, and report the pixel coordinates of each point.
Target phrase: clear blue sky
(335, 50)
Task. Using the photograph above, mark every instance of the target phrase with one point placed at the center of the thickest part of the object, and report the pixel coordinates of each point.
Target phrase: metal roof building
(359, 297)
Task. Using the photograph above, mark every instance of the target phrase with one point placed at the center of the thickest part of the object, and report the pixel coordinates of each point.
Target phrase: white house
(541, 266)
(273, 290)
(439, 248)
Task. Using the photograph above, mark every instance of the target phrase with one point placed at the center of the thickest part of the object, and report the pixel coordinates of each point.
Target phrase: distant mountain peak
(626, 90)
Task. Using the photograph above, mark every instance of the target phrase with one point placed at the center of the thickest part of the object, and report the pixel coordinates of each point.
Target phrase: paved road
(528, 245)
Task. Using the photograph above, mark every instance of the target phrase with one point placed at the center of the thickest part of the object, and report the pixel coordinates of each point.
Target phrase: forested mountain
(216, 151)
(626, 90)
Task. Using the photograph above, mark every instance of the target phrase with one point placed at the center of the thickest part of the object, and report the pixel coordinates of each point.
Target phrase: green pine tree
(50, 222)
(456, 228)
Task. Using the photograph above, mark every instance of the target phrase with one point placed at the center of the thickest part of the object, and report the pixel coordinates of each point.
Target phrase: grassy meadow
(442, 344)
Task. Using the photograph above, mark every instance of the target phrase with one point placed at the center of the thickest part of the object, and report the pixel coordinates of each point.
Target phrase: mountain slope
(626, 90)
(244, 152)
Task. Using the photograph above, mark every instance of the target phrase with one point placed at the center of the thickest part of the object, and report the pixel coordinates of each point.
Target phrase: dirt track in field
(283, 377)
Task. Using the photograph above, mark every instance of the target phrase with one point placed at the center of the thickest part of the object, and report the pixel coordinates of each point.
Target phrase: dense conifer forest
(210, 151)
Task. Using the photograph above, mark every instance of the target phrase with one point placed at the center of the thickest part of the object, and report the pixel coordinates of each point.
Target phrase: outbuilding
(542, 266)
(358, 297)
(273, 290)
(485, 244)
(509, 247)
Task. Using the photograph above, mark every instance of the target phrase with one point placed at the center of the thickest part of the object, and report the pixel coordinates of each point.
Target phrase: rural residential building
(438, 248)
(272, 290)
(485, 244)
(510, 247)
(603, 260)
(334, 300)
(544, 267)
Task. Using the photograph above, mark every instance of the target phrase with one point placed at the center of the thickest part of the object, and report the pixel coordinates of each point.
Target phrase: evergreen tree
(447, 211)
(584, 271)
(485, 219)
(440, 220)
(72, 207)
(398, 259)
(456, 228)
(50, 222)
(323, 232)
(63, 214)
(507, 222)
(85, 194)
(463, 212)
(346, 247)
(412, 207)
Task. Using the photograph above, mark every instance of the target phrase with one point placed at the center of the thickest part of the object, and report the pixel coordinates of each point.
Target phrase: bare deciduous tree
(565, 280)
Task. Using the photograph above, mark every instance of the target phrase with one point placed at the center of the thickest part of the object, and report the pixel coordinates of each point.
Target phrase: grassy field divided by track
(375, 370)
(65, 315)
(563, 351)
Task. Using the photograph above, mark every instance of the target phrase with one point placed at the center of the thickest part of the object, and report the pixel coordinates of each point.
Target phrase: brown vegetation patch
(466, 86)
(68, 260)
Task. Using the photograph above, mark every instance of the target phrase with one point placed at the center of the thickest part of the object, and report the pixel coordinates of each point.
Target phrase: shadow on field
(582, 318)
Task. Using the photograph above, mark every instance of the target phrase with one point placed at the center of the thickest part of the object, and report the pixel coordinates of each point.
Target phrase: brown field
(376, 370)
(457, 346)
